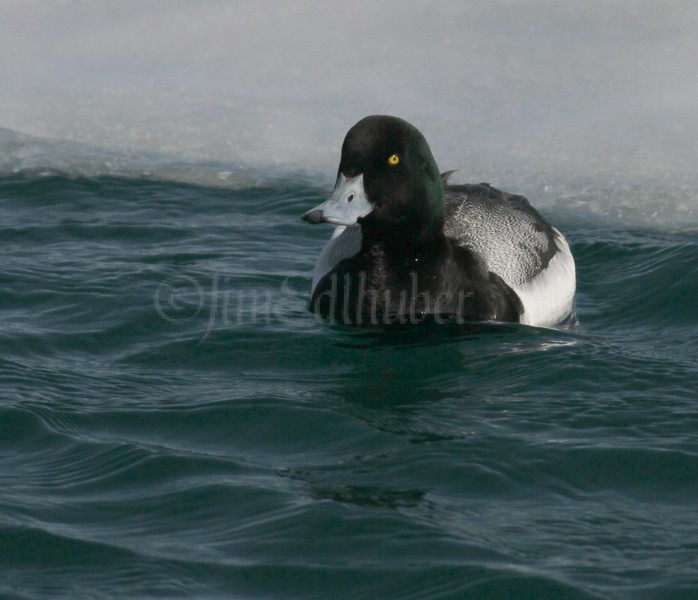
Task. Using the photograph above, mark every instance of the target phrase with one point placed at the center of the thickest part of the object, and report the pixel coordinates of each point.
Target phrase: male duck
(409, 247)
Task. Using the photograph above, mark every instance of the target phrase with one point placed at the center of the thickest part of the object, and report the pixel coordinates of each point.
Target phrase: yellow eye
(394, 160)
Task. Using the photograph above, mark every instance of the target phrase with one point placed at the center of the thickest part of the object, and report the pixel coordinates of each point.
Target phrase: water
(174, 423)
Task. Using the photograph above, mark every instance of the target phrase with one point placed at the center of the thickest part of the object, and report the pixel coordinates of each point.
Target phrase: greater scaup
(409, 247)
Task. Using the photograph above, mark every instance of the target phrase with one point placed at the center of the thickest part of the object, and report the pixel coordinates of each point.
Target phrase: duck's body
(514, 241)
(410, 248)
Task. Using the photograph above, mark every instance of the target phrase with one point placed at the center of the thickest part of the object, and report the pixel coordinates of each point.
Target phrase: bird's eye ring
(393, 160)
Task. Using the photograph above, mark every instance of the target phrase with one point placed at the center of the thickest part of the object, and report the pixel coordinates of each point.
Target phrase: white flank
(549, 297)
(344, 243)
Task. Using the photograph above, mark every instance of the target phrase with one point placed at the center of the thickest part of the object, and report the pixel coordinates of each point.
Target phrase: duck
(409, 247)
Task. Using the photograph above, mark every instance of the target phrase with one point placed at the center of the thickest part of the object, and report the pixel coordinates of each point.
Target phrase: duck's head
(388, 182)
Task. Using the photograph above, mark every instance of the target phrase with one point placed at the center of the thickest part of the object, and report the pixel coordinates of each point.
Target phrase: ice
(524, 94)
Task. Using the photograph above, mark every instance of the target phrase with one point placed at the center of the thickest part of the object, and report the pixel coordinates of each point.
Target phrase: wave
(31, 156)
(569, 199)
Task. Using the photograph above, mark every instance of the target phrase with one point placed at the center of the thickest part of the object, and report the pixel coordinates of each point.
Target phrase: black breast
(442, 282)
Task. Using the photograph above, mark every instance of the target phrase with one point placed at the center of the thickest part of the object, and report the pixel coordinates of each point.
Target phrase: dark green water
(173, 423)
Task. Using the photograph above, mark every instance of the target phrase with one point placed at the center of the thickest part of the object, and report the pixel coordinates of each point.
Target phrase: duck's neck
(414, 232)
(405, 242)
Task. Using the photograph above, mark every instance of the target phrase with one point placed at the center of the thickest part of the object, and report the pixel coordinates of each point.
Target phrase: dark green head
(388, 182)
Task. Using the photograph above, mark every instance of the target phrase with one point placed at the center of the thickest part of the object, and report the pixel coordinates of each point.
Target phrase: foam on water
(589, 104)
